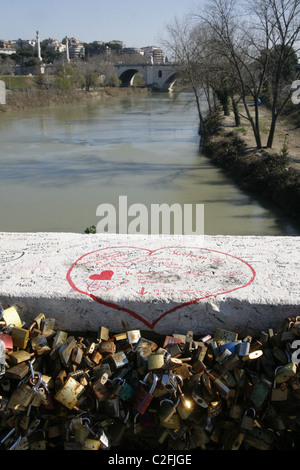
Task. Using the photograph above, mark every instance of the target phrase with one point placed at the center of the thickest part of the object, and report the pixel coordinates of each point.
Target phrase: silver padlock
(197, 395)
(169, 381)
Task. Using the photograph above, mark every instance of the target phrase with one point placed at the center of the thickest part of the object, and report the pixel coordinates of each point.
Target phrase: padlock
(16, 357)
(7, 340)
(173, 423)
(21, 397)
(96, 357)
(198, 396)
(279, 393)
(243, 348)
(117, 386)
(273, 420)
(127, 392)
(236, 411)
(48, 327)
(286, 372)
(224, 391)
(143, 348)
(59, 338)
(214, 409)
(20, 337)
(223, 372)
(37, 322)
(66, 349)
(224, 336)
(143, 397)
(169, 382)
(232, 440)
(2, 358)
(133, 336)
(279, 355)
(69, 394)
(117, 430)
(110, 407)
(185, 408)
(78, 430)
(155, 361)
(167, 408)
(137, 427)
(261, 439)
(247, 422)
(223, 355)
(259, 393)
(77, 355)
(120, 359)
(40, 344)
(232, 362)
(102, 334)
(37, 440)
(107, 347)
(20, 444)
(184, 371)
(11, 317)
(24, 423)
(91, 444)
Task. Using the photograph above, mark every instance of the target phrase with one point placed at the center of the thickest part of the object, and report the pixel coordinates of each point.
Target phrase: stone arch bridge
(160, 77)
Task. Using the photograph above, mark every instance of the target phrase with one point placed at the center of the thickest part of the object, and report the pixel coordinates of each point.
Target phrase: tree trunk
(272, 131)
(235, 112)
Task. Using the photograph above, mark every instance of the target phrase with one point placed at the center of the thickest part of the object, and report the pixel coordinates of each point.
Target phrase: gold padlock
(91, 444)
(11, 317)
(286, 372)
(20, 337)
(70, 393)
(21, 397)
(16, 357)
(155, 361)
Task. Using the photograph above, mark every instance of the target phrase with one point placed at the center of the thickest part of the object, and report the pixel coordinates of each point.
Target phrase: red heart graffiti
(188, 273)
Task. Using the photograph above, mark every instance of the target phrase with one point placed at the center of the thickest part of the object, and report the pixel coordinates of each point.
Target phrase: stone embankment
(164, 284)
(269, 173)
(36, 98)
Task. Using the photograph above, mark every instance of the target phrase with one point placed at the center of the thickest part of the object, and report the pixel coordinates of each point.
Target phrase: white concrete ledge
(166, 284)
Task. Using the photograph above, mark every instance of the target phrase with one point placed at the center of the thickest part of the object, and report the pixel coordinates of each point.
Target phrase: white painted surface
(2, 92)
(166, 284)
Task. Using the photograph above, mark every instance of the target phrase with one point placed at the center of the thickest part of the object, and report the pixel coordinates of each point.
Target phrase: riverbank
(37, 98)
(271, 173)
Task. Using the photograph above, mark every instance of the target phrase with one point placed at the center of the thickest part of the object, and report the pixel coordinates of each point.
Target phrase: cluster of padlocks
(133, 390)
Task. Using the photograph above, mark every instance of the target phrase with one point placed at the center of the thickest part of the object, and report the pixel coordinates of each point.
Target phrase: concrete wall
(167, 284)
(2, 92)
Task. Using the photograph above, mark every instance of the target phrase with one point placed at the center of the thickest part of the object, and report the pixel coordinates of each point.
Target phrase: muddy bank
(34, 98)
(267, 174)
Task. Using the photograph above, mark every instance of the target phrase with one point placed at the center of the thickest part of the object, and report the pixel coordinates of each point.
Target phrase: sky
(138, 23)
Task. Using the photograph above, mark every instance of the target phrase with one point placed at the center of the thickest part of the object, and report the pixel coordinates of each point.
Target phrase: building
(155, 54)
(76, 48)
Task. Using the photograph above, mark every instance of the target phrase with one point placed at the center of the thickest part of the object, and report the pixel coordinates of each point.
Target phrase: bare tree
(188, 45)
(246, 37)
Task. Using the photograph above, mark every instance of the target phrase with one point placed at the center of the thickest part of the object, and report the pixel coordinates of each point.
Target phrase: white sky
(136, 23)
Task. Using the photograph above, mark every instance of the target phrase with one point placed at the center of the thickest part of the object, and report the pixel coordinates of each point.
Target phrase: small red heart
(104, 276)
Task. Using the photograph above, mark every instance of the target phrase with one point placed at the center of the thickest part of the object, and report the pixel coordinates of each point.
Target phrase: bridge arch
(158, 76)
(128, 75)
(169, 82)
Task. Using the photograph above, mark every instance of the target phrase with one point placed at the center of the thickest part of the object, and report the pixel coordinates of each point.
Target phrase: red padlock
(7, 340)
(143, 397)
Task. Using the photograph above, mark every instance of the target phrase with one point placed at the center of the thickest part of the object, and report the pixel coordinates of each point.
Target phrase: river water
(58, 165)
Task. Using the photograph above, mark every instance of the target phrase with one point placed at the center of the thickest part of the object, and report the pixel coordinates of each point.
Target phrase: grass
(18, 82)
